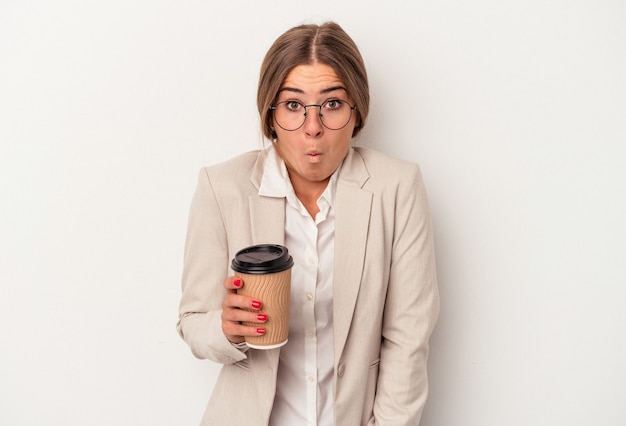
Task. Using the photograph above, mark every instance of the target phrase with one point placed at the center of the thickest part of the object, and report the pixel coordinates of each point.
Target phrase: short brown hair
(306, 44)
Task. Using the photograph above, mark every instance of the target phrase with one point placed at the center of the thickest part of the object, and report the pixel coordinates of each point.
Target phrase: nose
(312, 121)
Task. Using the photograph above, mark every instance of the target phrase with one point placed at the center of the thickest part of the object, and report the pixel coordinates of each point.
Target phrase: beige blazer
(385, 300)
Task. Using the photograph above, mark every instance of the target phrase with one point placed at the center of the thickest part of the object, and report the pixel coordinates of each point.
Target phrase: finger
(237, 324)
(233, 283)
(235, 332)
(241, 316)
(238, 301)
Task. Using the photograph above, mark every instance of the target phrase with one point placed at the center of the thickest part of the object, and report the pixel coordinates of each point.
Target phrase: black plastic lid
(262, 259)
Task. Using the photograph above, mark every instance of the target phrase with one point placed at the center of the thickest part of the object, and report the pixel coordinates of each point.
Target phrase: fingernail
(261, 317)
(237, 282)
(260, 331)
(256, 304)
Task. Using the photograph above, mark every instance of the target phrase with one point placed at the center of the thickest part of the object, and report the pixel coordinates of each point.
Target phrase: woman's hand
(233, 313)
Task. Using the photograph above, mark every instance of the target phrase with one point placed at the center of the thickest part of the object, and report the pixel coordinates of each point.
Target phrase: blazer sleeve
(204, 269)
(411, 308)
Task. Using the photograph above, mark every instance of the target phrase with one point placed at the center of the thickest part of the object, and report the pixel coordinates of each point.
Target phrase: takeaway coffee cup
(266, 273)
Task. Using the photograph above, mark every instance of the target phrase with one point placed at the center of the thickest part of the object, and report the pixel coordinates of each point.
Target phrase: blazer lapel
(352, 214)
(267, 216)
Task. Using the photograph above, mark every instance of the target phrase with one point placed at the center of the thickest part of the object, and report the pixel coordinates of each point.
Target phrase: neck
(308, 192)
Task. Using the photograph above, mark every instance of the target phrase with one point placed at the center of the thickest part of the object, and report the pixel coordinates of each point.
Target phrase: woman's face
(313, 152)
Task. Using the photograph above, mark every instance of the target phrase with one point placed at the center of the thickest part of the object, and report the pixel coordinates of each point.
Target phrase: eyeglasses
(334, 114)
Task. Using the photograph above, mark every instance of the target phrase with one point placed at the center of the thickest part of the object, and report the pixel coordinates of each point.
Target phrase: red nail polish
(261, 317)
(256, 304)
(260, 331)
(237, 282)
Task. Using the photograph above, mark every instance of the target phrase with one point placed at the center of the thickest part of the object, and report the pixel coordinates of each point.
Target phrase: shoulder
(233, 176)
(394, 183)
(235, 170)
(382, 167)
(374, 158)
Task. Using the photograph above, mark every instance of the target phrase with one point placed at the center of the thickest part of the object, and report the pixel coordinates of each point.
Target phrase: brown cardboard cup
(265, 270)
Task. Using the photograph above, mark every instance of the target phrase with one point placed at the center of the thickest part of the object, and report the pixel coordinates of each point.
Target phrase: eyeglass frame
(321, 116)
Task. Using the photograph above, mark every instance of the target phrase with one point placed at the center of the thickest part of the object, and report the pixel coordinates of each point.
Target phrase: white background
(514, 109)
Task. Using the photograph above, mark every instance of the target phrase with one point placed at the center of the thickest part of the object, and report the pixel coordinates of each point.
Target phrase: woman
(364, 296)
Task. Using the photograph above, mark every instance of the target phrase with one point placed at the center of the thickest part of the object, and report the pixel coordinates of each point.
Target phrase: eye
(333, 104)
(294, 106)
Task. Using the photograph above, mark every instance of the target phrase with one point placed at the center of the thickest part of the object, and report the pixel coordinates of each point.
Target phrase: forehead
(314, 78)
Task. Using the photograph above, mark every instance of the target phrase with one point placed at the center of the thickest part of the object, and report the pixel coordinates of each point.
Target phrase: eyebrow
(300, 91)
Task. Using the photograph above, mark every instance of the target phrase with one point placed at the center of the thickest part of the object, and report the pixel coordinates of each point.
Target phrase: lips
(314, 157)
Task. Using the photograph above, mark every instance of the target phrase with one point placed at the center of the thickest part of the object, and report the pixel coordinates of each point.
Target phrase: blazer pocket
(370, 389)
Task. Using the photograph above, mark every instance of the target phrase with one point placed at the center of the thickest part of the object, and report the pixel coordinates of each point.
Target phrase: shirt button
(310, 334)
(310, 379)
(309, 296)
(312, 261)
